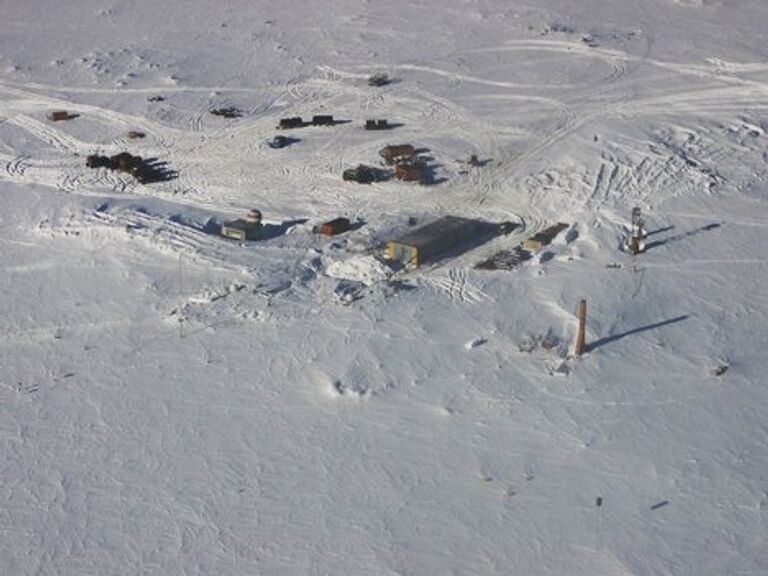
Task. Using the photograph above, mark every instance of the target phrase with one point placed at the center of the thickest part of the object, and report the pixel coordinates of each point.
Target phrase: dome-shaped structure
(253, 217)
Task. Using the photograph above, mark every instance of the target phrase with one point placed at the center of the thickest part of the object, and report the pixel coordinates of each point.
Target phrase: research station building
(434, 239)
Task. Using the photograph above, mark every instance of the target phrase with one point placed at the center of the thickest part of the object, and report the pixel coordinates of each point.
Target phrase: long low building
(436, 238)
(544, 237)
(248, 228)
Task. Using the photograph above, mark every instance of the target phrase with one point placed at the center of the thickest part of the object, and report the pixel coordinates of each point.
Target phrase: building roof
(548, 234)
(439, 230)
(241, 224)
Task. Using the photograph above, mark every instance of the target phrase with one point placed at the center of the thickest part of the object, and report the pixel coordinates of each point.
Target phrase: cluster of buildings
(420, 245)
(433, 241)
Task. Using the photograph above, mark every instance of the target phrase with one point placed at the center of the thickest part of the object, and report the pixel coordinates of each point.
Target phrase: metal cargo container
(59, 115)
(544, 237)
(294, 122)
(322, 120)
(334, 227)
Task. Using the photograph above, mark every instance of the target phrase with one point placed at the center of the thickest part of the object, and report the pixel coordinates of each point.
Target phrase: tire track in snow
(613, 176)
(28, 98)
(17, 166)
(716, 70)
(506, 180)
(457, 287)
(697, 101)
(458, 77)
(196, 121)
(68, 183)
(49, 134)
(21, 169)
(707, 99)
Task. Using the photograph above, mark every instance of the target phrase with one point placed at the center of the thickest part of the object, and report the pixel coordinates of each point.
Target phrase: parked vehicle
(379, 79)
(363, 174)
(278, 141)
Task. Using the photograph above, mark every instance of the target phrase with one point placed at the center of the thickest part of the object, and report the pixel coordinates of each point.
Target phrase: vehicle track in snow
(498, 189)
(457, 286)
(612, 176)
(26, 97)
(49, 134)
(51, 174)
(196, 121)
(445, 116)
(683, 160)
(16, 167)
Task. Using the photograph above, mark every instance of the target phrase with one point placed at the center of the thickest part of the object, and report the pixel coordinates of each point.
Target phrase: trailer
(322, 120)
(293, 122)
(377, 125)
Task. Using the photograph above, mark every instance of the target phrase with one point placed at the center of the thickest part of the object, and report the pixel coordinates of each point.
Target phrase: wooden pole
(581, 337)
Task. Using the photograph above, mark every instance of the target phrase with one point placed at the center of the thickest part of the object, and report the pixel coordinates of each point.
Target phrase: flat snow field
(173, 402)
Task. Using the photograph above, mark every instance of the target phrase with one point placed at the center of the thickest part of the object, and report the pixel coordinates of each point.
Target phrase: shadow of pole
(660, 230)
(657, 243)
(608, 339)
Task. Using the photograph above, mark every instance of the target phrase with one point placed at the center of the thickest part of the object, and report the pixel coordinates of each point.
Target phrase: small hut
(96, 161)
(248, 228)
(59, 115)
(293, 122)
(334, 227)
(544, 237)
(376, 125)
(125, 162)
(413, 172)
(393, 154)
(322, 120)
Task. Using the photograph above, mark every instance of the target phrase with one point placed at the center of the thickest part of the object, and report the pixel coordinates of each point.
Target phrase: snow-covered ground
(175, 403)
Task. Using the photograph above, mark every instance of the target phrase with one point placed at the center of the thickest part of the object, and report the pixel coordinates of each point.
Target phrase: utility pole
(637, 233)
(598, 535)
(581, 343)
(181, 293)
